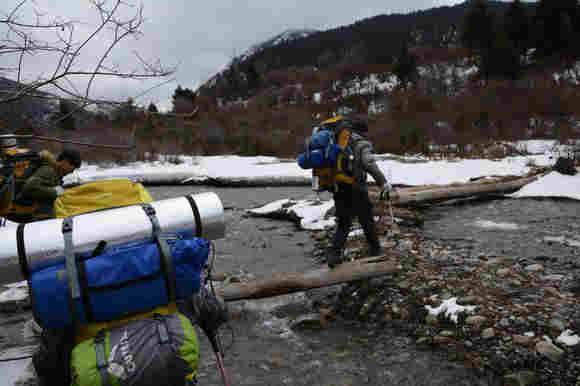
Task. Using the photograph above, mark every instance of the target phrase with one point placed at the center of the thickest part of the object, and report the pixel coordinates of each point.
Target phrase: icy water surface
(526, 229)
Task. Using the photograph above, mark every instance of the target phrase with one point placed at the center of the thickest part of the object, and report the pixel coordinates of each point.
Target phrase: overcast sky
(199, 37)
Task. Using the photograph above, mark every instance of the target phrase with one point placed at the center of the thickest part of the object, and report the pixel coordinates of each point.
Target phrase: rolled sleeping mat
(42, 244)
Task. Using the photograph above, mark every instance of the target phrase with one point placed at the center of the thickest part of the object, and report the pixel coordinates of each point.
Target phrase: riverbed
(265, 350)
(262, 348)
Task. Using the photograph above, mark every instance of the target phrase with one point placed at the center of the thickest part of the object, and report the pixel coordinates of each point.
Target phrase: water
(261, 349)
(264, 350)
(525, 229)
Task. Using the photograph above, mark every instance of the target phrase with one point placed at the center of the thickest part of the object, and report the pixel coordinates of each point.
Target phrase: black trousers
(353, 201)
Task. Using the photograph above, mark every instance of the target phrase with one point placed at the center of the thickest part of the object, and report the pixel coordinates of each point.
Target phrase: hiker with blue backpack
(340, 156)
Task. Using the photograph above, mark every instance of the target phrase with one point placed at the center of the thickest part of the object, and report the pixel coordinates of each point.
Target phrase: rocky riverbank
(513, 319)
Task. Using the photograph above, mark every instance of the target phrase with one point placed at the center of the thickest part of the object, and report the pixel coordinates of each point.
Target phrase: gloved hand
(59, 190)
(385, 193)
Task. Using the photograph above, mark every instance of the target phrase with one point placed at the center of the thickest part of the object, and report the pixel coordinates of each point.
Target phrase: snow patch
(568, 339)
(450, 308)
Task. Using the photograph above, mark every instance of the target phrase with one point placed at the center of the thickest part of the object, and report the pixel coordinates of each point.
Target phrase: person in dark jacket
(353, 200)
(42, 188)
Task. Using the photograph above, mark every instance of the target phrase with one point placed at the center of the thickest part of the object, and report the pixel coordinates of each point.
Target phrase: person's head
(67, 161)
(357, 125)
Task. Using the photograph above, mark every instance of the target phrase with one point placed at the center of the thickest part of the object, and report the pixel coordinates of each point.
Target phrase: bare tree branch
(21, 42)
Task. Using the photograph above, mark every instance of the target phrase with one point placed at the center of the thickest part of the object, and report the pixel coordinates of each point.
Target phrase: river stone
(488, 333)
(504, 323)
(471, 299)
(557, 324)
(431, 320)
(424, 340)
(476, 320)
(522, 339)
(553, 277)
(552, 292)
(503, 272)
(535, 268)
(308, 321)
(442, 339)
(549, 350)
(522, 378)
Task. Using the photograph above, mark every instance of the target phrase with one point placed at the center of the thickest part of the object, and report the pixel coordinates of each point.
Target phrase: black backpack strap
(71, 267)
(196, 215)
(102, 363)
(166, 259)
(22, 251)
(162, 329)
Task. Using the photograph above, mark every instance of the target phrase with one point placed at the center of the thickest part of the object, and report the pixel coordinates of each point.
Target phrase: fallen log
(286, 283)
(448, 192)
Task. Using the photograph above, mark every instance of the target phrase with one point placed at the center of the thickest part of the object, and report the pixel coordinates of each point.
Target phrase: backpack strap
(71, 267)
(166, 259)
(162, 330)
(102, 362)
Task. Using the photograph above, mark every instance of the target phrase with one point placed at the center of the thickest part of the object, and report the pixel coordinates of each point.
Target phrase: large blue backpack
(321, 150)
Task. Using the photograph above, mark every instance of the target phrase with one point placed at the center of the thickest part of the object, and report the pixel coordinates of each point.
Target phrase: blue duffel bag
(320, 158)
(119, 281)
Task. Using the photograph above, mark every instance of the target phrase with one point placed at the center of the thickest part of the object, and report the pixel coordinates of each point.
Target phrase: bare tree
(23, 39)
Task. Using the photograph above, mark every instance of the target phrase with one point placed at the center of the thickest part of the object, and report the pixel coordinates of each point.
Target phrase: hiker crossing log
(286, 283)
(448, 192)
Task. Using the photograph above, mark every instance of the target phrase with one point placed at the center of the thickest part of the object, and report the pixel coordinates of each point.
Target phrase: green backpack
(162, 350)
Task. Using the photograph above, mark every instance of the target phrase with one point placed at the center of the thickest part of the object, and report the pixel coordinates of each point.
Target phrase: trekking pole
(219, 358)
(394, 226)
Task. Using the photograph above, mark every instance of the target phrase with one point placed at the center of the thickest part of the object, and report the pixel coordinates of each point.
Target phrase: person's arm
(369, 164)
(40, 186)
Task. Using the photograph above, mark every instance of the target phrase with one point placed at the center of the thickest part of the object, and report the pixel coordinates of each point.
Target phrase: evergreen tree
(183, 100)
(478, 28)
(65, 118)
(127, 111)
(406, 66)
(152, 108)
(517, 26)
(502, 59)
(557, 27)
(252, 77)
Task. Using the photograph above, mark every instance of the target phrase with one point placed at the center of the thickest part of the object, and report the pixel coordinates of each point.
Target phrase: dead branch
(20, 43)
(286, 283)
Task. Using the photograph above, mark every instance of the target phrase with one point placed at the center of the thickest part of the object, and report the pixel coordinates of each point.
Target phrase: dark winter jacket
(38, 192)
(364, 161)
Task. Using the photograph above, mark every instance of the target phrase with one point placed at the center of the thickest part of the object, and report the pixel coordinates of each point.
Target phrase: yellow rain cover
(100, 195)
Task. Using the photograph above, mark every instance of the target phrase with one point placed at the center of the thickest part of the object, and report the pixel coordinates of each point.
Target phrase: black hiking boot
(333, 257)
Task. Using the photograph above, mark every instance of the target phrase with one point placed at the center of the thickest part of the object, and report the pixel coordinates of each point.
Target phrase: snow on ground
(450, 308)
(537, 146)
(552, 185)
(412, 170)
(568, 338)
